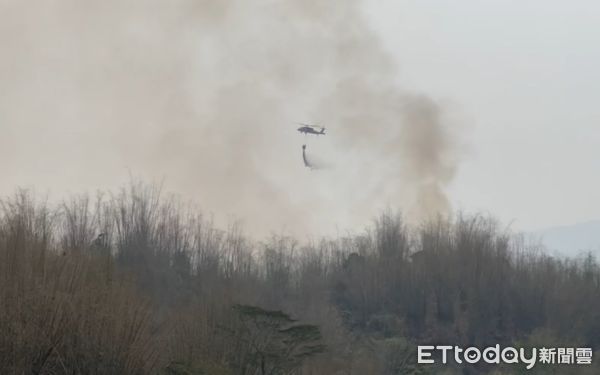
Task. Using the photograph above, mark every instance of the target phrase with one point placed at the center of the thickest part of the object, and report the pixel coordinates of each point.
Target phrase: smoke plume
(205, 95)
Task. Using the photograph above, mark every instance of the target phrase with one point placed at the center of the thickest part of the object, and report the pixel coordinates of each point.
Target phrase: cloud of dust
(205, 94)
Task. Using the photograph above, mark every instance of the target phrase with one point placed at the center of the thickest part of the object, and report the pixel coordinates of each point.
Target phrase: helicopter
(311, 129)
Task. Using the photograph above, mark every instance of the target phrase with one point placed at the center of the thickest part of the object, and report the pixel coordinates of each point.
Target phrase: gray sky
(205, 96)
(525, 77)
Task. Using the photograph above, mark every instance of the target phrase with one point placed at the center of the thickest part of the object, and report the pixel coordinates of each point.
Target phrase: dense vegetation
(164, 291)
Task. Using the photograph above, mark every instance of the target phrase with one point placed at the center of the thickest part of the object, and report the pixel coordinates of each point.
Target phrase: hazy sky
(205, 95)
(525, 75)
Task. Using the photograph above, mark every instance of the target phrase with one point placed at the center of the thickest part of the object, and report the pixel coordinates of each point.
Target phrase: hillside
(572, 240)
(133, 283)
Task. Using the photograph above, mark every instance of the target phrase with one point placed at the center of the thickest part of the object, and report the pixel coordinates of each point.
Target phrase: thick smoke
(205, 94)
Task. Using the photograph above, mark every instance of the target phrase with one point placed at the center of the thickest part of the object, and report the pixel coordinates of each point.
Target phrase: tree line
(135, 282)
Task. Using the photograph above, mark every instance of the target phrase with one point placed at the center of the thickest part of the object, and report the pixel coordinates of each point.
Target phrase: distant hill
(572, 239)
